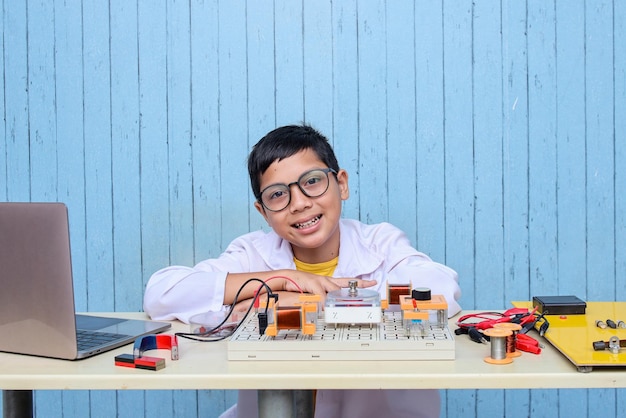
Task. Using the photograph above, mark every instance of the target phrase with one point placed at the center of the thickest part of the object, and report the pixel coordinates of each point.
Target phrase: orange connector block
(435, 302)
(415, 311)
(310, 311)
(302, 317)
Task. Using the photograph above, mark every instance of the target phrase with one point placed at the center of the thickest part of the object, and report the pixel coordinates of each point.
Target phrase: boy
(299, 189)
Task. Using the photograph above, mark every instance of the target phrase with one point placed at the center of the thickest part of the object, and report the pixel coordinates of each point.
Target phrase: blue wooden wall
(492, 132)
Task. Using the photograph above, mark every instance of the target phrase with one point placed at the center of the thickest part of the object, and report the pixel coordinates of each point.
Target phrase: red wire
(283, 277)
(489, 319)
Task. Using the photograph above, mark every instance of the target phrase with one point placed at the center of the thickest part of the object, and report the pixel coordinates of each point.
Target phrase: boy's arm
(179, 292)
(284, 280)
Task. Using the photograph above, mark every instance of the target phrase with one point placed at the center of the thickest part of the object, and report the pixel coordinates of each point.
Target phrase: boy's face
(310, 224)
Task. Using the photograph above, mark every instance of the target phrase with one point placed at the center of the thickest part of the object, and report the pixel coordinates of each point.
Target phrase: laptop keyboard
(90, 339)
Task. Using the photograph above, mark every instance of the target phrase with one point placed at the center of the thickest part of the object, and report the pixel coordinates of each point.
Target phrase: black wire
(206, 336)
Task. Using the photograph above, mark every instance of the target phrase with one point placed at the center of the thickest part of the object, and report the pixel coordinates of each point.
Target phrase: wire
(208, 335)
(487, 319)
(525, 317)
(286, 278)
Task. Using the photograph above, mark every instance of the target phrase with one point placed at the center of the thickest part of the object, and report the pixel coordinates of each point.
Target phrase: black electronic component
(559, 305)
(421, 293)
(474, 334)
(262, 316)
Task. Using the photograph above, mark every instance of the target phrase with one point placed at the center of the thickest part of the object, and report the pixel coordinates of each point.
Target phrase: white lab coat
(378, 252)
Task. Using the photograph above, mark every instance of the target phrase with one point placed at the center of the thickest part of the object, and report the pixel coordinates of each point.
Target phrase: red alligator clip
(527, 344)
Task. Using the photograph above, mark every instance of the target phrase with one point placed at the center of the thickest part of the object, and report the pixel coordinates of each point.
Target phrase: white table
(193, 371)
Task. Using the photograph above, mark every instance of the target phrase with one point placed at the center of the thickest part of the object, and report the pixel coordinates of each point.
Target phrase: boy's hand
(319, 285)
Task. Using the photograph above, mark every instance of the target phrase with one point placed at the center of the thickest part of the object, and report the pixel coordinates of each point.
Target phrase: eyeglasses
(314, 183)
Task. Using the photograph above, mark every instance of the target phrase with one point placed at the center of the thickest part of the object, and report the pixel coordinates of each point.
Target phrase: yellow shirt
(326, 268)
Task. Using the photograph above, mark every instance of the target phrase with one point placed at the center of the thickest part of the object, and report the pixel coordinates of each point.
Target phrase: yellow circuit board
(574, 335)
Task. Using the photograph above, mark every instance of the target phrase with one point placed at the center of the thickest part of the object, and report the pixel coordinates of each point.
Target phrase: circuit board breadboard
(385, 341)
(573, 334)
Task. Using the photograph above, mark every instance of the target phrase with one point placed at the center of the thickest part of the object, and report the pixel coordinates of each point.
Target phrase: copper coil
(511, 340)
(395, 291)
(288, 317)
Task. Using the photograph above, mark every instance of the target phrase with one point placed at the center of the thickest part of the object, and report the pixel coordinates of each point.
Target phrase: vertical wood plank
(401, 129)
(159, 403)
(207, 207)
(125, 156)
(542, 164)
(70, 136)
(41, 104)
(126, 178)
(570, 35)
(345, 131)
(178, 67)
(515, 171)
(459, 144)
(599, 100)
(75, 403)
(70, 148)
(429, 116)
(186, 404)
(98, 184)
(104, 404)
(488, 154)
(288, 58)
(152, 41)
(542, 150)
(15, 55)
(129, 404)
(233, 117)
(515, 150)
(619, 59)
(211, 403)
(261, 84)
(372, 102)
(600, 168)
(35, 140)
(487, 81)
(317, 65)
(153, 137)
(570, 53)
(458, 166)
(430, 168)
(179, 132)
(50, 401)
(619, 77)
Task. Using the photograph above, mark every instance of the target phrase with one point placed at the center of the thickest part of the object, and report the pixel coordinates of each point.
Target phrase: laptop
(37, 311)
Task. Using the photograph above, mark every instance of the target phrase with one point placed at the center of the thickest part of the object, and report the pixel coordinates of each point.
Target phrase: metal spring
(511, 340)
(498, 338)
(499, 347)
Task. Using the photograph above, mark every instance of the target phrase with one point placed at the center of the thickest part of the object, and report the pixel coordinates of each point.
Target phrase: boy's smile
(310, 224)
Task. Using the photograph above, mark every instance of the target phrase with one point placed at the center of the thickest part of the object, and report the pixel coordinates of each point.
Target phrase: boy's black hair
(282, 143)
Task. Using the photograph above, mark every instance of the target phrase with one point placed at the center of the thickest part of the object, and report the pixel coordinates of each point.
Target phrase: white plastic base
(387, 341)
(353, 315)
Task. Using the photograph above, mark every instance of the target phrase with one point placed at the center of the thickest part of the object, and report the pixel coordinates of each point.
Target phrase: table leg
(286, 403)
(303, 404)
(17, 403)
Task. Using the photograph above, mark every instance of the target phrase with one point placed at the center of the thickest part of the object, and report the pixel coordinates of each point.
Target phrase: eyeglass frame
(297, 183)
